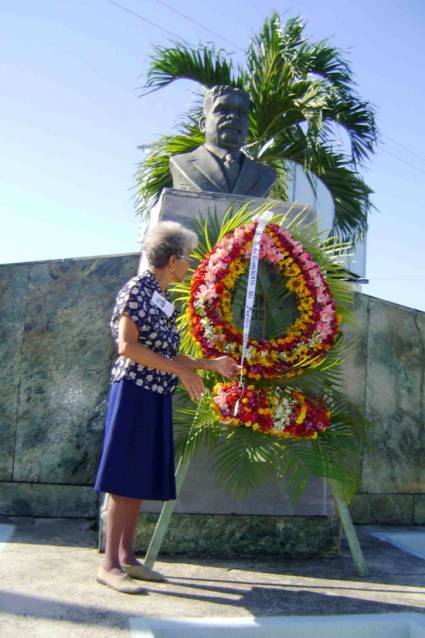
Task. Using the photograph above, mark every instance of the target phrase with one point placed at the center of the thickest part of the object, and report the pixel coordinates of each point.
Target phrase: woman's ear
(172, 262)
(202, 122)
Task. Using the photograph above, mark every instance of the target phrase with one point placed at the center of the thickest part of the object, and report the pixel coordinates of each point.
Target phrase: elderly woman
(138, 458)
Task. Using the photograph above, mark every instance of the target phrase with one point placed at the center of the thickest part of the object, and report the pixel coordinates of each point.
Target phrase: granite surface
(13, 296)
(360, 509)
(395, 400)
(392, 509)
(354, 366)
(34, 499)
(65, 362)
(252, 536)
(420, 509)
(388, 509)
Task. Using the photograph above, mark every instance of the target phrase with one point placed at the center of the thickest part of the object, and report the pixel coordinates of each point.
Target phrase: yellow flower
(303, 411)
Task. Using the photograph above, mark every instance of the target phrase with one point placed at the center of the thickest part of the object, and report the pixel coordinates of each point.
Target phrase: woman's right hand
(192, 382)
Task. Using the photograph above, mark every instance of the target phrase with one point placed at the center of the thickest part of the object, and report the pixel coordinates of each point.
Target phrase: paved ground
(48, 587)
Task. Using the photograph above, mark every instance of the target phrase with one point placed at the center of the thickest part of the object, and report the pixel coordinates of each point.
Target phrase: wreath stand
(170, 207)
(168, 508)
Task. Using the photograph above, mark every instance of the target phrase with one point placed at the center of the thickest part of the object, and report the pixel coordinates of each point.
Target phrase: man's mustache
(230, 124)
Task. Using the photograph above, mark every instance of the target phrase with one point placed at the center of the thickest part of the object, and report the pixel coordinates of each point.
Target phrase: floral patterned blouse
(157, 331)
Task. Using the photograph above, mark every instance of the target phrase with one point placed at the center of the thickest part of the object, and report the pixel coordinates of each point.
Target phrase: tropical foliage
(303, 95)
(241, 457)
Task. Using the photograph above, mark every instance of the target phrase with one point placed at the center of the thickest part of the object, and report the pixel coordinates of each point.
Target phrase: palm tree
(302, 93)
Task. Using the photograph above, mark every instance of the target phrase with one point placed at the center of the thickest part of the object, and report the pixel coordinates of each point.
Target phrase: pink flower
(322, 296)
(306, 260)
(220, 401)
(324, 329)
(327, 314)
(268, 250)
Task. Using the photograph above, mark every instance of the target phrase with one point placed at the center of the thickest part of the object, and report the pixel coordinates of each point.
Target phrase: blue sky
(71, 118)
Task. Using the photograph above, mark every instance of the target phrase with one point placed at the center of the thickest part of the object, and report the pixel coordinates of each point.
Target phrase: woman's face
(181, 267)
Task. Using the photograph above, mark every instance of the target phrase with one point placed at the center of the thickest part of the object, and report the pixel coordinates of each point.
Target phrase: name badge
(161, 302)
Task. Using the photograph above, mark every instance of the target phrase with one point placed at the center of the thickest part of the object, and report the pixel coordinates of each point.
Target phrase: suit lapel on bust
(246, 179)
(213, 172)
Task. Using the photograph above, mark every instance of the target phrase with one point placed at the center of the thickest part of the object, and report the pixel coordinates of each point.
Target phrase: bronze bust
(219, 164)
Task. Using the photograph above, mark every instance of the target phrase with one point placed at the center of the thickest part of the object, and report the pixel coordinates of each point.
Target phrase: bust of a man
(219, 165)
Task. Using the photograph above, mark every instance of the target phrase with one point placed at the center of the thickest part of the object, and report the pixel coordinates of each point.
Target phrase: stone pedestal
(185, 207)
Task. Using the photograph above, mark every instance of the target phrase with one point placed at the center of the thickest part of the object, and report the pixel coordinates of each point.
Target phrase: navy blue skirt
(138, 451)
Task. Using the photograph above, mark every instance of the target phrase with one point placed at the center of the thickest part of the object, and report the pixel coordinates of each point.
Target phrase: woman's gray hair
(166, 239)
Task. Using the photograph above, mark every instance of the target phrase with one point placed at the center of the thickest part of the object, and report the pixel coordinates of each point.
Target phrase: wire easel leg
(350, 532)
(164, 518)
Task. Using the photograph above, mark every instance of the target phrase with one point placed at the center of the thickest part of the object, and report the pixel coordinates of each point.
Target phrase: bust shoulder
(183, 158)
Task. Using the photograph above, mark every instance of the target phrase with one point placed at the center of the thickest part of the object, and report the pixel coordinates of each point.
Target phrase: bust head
(225, 119)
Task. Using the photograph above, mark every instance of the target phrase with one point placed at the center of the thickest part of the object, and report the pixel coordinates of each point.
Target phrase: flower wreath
(273, 410)
(210, 314)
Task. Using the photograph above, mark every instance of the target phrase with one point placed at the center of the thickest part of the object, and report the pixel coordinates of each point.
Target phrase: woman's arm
(129, 346)
(224, 365)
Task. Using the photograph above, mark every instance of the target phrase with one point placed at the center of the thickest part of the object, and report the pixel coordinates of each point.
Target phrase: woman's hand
(225, 366)
(192, 382)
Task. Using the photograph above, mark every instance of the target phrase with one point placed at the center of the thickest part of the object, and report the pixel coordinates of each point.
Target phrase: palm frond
(153, 173)
(357, 117)
(350, 194)
(205, 64)
(326, 61)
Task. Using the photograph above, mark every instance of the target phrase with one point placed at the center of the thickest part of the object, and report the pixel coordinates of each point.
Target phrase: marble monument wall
(56, 352)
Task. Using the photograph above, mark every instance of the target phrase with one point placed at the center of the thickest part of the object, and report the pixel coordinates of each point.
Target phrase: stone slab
(395, 400)
(227, 536)
(66, 360)
(419, 514)
(354, 366)
(201, 494)
(392, 509)
(13, 297)
(185, 206)
(360, 510)
(32, 499)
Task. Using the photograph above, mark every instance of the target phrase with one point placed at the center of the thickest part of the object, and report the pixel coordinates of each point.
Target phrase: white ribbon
(263, 220)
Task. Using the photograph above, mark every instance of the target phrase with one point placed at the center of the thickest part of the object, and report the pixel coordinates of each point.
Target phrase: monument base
(230, 536)
(185, 207)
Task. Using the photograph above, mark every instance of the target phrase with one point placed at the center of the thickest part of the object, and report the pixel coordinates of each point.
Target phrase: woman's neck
(162, 276)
